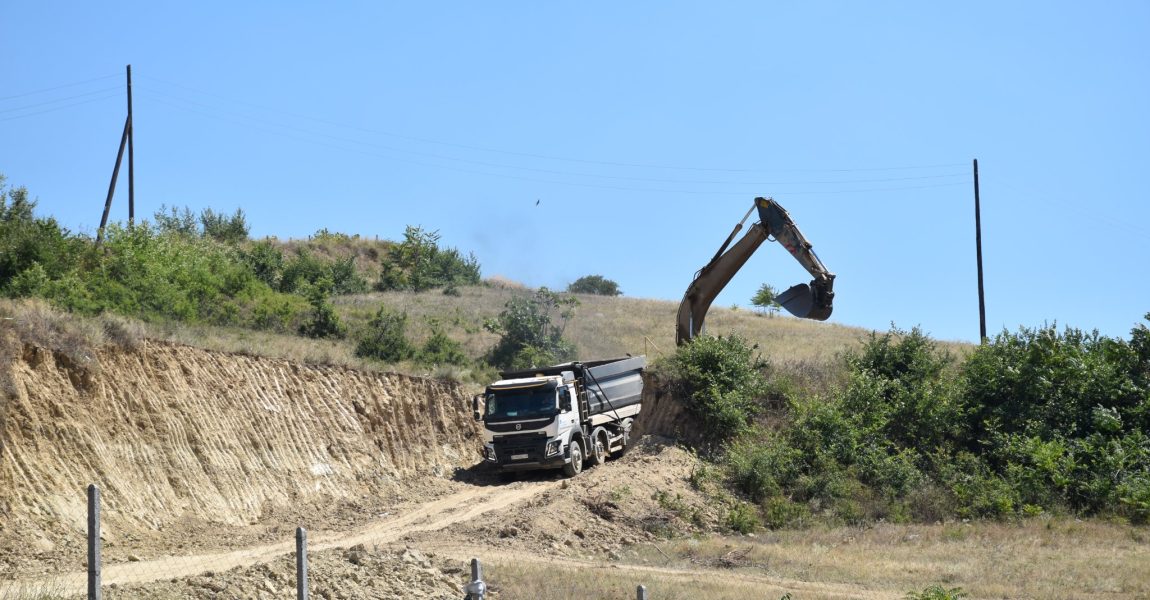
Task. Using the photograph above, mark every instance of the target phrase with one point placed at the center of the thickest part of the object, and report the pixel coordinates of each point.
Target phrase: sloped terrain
(181, 439)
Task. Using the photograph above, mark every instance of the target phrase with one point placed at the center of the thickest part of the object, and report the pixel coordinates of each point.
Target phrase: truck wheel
(576, 465)
(626, 440)
(599, 449)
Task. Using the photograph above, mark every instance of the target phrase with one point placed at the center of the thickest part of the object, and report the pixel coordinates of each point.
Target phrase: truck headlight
(552, 447)
(489, 453)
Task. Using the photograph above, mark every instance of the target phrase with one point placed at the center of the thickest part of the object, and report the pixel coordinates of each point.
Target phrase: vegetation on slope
(1031, 422)
(806, 421)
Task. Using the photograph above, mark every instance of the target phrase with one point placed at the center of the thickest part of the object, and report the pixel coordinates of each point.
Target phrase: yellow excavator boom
(807, 301)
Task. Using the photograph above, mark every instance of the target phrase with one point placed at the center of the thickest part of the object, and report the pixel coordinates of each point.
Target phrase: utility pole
(978, 251)
(125, 140)
(131, 158)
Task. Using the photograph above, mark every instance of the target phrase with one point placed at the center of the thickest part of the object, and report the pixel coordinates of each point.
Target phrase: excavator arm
(807, 301)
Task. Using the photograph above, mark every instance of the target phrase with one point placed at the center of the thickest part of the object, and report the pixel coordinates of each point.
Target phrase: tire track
(468, 503)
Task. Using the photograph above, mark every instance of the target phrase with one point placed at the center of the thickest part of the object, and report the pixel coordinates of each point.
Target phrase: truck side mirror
(564, 400)
(475, 407)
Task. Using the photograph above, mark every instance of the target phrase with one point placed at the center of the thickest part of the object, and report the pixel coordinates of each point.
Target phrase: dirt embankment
(180, 437)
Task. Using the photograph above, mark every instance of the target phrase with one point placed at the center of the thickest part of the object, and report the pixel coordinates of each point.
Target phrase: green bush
(594, 284)
(439, 349)
(779, 512)
(1045, 383)
(322, 322)
(720, 377)
(266, 261)
(741, 518)
(28, 242)
(384, 338)
(762, 470)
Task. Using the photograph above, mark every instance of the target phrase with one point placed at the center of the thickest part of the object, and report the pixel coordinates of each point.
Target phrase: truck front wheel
(576, 465)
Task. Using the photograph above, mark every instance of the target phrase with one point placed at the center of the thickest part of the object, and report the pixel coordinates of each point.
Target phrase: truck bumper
(524, 453)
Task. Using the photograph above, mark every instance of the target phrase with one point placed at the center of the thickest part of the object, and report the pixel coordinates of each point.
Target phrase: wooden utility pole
(978, 252)
(131, 158)
(125, 140)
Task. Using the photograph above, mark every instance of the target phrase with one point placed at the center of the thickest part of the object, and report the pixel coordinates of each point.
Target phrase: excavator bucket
(799, 300)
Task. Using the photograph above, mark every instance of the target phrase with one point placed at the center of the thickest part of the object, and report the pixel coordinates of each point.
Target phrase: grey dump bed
(610, 384)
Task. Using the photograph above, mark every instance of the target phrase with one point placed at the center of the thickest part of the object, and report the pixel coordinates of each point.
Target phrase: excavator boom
(807, 301)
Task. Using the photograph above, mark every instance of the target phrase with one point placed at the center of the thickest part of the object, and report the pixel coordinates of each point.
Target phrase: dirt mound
(180, 439)
(641, 497)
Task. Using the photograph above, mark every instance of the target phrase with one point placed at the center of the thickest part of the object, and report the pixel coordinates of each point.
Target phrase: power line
(64, 99)
(74, 104)
(545, 156)
(66, 85)
(582, 184)
(149, 90)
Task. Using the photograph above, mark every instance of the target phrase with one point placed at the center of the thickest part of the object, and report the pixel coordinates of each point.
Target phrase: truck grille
(520, 448)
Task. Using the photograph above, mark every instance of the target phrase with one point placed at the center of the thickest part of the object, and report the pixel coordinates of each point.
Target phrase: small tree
(765, 299)
(322, 322)
(222, 228)
(171, 220)
(529, 337)
(595, 284)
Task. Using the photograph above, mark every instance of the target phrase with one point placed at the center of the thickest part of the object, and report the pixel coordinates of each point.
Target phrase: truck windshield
(521, 404)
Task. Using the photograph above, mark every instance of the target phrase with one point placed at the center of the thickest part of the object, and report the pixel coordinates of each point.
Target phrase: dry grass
(520, 580)
(614, 326)
(1038, 558)
(602, 327)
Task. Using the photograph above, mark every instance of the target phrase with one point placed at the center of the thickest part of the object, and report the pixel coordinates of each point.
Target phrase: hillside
(208, 460)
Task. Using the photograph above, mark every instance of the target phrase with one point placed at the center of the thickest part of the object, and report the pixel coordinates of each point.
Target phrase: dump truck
(561, 416)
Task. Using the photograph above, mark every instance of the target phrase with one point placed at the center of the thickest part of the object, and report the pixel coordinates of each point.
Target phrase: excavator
(807, 301)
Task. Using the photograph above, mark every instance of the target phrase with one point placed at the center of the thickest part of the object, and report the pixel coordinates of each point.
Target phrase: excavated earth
(207, 462)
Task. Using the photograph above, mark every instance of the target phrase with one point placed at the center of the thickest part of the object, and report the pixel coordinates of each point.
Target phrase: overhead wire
(58, 87)
(582, 184)
(117, 89)
(106, 96)
(375, 149)
(538, 155)
(246, 120)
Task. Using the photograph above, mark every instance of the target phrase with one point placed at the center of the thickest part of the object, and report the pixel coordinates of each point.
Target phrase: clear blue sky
(644, 130)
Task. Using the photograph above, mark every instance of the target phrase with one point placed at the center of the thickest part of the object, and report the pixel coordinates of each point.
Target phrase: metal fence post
(641, 593)
(477, 589)
(93, 542)
(301, 563)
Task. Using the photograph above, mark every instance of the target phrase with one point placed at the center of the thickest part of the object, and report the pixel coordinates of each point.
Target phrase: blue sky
(644, 130)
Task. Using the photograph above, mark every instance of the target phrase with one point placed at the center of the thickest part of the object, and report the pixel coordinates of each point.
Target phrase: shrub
(29, 242)
(266, 261)
(384, 337)
(762, 470)
(937, 592)
(439, 349)
(720, 379)
(1042, 382)
(322, 322)
(301, 271)
(594, 284)
(742, 519)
